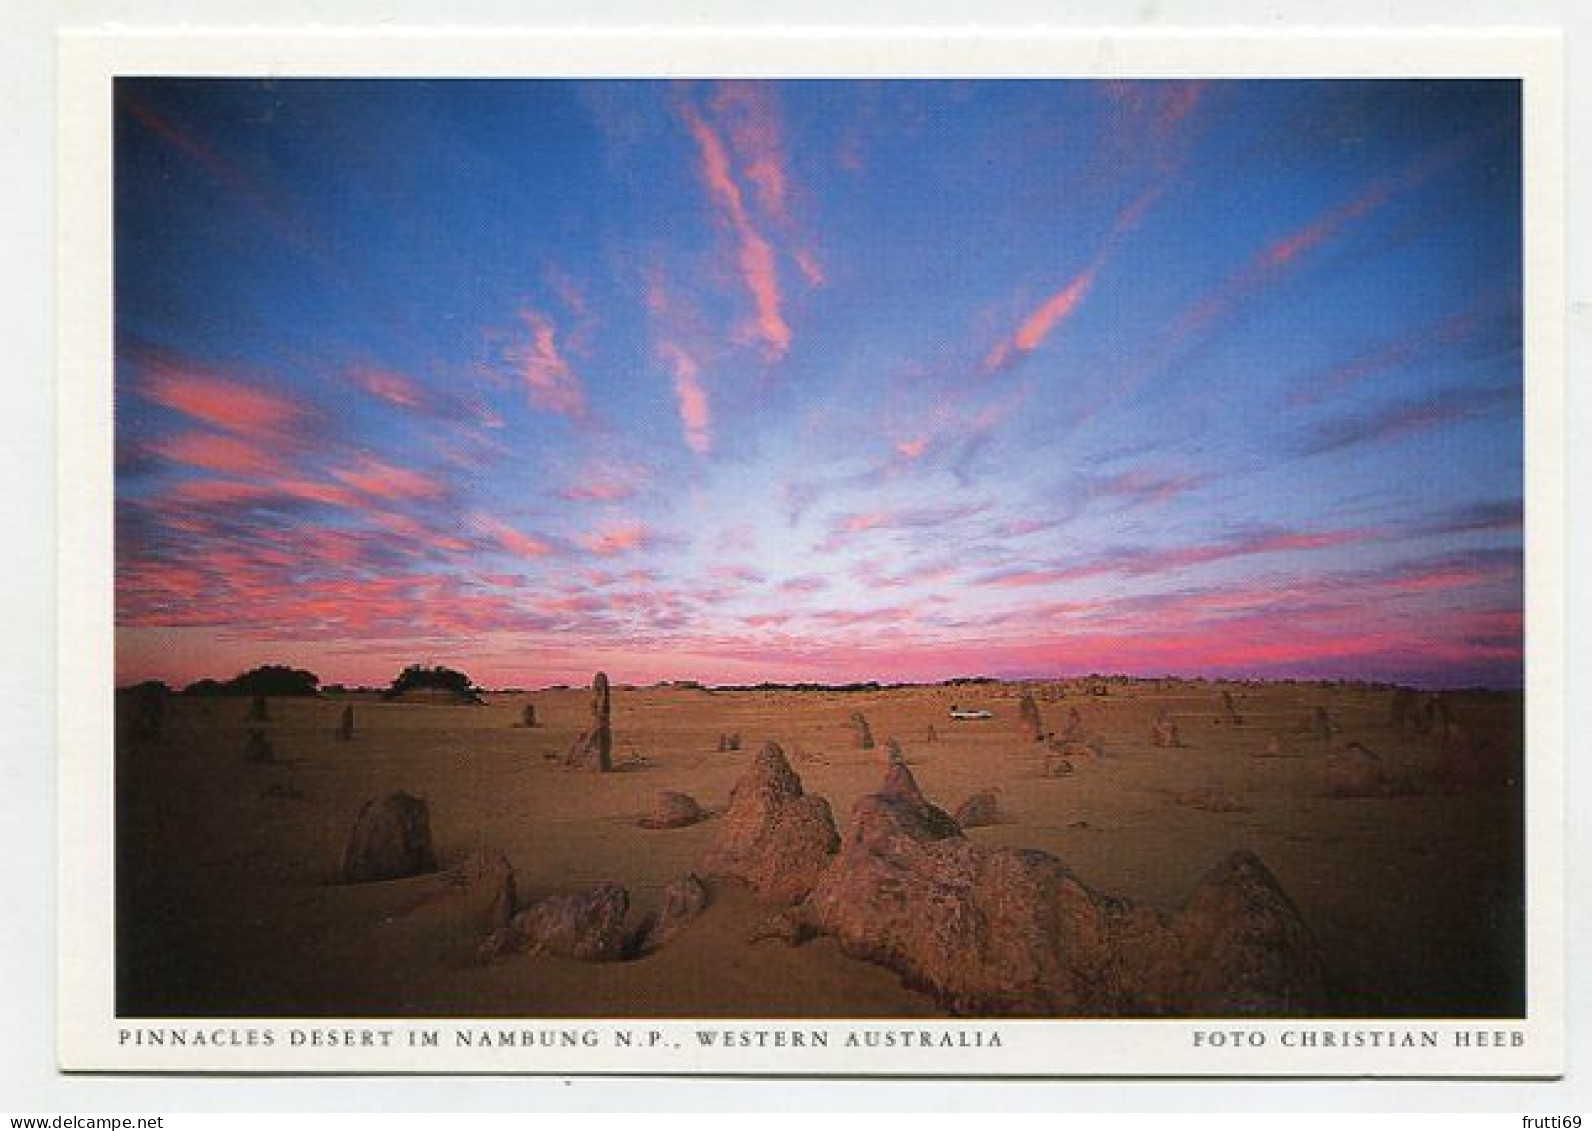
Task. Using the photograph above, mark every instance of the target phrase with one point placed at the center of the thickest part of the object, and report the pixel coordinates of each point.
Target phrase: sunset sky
(819, 380)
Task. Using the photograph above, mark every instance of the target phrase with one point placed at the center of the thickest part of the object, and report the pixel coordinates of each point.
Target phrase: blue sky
(827, 380)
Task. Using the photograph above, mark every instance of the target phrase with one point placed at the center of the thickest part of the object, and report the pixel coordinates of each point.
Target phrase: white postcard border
(91, 1038)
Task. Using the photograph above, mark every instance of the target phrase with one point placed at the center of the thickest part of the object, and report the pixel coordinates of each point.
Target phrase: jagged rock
(1246, 949)
(775, 838)
(996, 931)
(978, 810)
(391, 839)
(258, 748)
(791, 927)
(588, 925)
(1028, 719)
(345, 725)
(594, 749)
(671, 810)
(1164, 732)
(484, 883)
(1355, 771)
(860, 732)
(683, 901)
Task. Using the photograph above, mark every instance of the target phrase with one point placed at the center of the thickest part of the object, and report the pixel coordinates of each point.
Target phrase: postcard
(825, 554)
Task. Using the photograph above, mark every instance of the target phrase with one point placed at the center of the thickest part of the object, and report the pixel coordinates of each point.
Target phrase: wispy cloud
(754, 254)
(547, 375)
(617, 539)
(1406, 418)
(509, 539)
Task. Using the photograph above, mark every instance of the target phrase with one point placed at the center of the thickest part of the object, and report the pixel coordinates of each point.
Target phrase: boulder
(1354, 771)
(1056, 766)
(391, 840)
(683, 901)
(588, 925)
(774, 837)
(671, 810)
(978, 810)
(594, 749)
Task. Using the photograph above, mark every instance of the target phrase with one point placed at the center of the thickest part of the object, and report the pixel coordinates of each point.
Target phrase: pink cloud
(383, 480)
(912, 449)
(221, 402)
(226, 454)
(552, 384)
(696, 416)
(509, 539)
(386, 385)
(754, 254)
(616, 539)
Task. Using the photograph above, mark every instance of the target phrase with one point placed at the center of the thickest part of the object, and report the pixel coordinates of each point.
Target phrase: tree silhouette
(418, 677)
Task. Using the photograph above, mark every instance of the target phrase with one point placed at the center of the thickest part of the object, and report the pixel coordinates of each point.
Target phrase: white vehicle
(959, 713)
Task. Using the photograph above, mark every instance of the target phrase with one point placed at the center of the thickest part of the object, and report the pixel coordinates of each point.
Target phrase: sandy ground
(228, 905)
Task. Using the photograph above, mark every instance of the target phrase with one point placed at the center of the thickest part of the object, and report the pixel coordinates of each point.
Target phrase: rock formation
(1056, 766)
(978, 810)
(588, 925)
(860, 732)
(594, 749)
(671, 810)
(683, 901)
(775, 838)
(1003, 931)
(1028, 720)
(1355, 771)
(484, 883)
(391, 839)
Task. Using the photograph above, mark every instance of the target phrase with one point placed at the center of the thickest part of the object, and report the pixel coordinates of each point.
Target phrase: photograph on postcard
(816, 556)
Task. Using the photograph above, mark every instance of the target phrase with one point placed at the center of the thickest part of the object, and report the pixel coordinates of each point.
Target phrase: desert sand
(230, 900)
